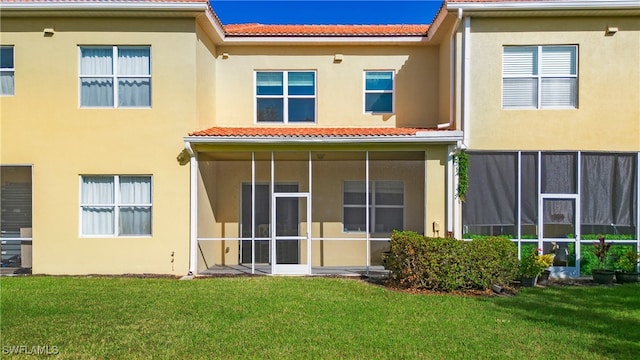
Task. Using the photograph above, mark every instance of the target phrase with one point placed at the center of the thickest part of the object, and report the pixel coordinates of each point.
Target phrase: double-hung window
(7, 70)
(115, 76)
(378, 92)
(115, 205)
(539, 77)
(286, 96)
(386, 206)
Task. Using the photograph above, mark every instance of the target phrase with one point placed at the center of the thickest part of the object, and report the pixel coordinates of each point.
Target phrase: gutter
(116, 5)
(546, 5)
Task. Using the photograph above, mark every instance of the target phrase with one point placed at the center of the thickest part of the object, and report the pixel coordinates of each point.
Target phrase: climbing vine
(461, 161)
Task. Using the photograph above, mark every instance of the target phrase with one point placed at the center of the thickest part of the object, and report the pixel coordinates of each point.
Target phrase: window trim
(365, 92)
(11, 70)
(373, 206)
(539, 77)
(114, 75)
(116, 205)
(285, 96)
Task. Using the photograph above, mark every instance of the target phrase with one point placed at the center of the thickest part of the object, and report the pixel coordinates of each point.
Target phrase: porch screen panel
(491, 197)
(529, 193)
(609, 195)
(559, 173)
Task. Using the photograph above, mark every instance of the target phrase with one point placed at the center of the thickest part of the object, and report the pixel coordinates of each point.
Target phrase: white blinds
(539, 77)
(558, 60)
(520, 60)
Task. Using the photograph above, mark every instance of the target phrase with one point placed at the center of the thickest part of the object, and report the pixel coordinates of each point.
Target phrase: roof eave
(544, 5)
(431, 137)
(105, 6)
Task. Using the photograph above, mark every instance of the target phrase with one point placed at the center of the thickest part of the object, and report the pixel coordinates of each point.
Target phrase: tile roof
(325, 30)
(267, 132)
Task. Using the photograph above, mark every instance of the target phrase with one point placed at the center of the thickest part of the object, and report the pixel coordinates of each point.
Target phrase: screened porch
(305, 212)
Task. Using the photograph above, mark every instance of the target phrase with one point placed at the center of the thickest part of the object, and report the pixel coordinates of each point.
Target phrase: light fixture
(337, 58)
(225, 55)
(611, 30)
(48, 32)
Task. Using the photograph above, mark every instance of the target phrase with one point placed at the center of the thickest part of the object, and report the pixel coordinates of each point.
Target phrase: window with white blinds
(539, 77)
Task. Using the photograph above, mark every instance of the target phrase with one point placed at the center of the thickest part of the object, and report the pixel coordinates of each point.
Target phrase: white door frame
(562, 271)
(290, 269)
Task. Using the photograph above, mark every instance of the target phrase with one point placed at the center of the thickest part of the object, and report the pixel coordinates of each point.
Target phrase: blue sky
(326, 11)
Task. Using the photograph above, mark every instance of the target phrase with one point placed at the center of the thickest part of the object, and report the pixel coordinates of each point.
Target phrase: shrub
(492, 260)
(450, 264)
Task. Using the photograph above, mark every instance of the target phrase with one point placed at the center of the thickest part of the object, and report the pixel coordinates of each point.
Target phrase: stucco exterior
(193, 144)
(607, 117)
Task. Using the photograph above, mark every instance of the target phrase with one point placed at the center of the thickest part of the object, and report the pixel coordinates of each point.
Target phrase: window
(286, 96)
(386, 201)
(538, 77)
(115, 76)
(378, 91)
(115, 205)
(7, 70)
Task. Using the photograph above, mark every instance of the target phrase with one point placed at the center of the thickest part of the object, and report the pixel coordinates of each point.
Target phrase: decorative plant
(533, 264)
(628, 261)
(600, 250)
(461, 160)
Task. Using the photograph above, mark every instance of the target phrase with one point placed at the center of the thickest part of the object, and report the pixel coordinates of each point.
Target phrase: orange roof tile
(262, 132)
(325, 30)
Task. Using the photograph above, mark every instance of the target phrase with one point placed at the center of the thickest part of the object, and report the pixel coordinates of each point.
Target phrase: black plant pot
(623, 277)
(529, 282)
(543, 279)
(602, 276)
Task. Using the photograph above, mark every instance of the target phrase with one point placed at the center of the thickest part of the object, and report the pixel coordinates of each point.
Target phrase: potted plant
(601, 274)
(627, 266)
(532, 265)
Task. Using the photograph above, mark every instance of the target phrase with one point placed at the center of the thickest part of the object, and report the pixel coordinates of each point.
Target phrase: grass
(319, 318)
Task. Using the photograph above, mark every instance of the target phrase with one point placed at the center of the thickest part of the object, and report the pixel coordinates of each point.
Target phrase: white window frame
(11, 70)
(366, 91)
(114, 75)
(539, 77)
(116, 205)
(285, 96)
(373, 205)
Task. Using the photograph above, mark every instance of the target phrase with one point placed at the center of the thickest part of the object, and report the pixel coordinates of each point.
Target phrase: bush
(450, 264)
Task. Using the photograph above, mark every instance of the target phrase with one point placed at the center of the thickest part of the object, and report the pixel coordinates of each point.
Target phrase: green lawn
(311, 318)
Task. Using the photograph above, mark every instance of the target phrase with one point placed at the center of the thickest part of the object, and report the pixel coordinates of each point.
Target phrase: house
(148, 137)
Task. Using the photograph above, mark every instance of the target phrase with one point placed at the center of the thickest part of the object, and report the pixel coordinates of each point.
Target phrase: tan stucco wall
(608, 113)
(205, 80)
(44, 126)
(339, 85)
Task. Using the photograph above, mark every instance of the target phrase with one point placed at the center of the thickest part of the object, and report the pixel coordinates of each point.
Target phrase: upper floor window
(538, 77)
(378, 92)
(115, 205)
(115, 76)
(286, 96)
(7, 70)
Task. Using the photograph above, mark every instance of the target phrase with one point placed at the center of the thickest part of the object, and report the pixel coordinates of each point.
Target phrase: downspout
(193, 208)
(452, 73)
(466, 43)
(453, 209)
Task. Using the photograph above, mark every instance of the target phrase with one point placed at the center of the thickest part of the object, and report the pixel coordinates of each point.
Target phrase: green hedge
(449, 264)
